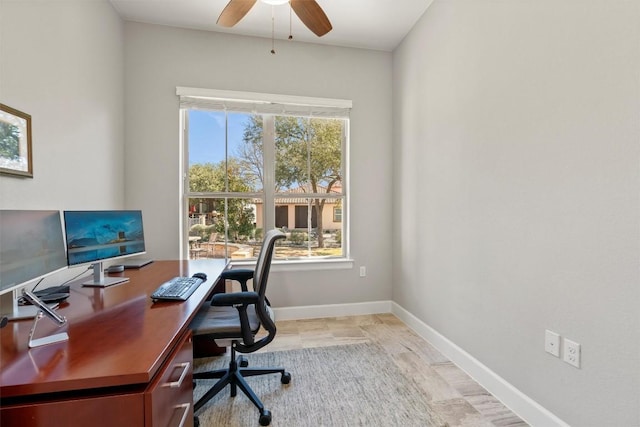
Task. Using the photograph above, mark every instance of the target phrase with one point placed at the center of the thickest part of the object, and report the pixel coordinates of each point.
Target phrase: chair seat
(222, 322)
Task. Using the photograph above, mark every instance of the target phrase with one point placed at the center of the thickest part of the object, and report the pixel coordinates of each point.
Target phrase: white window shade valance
(260, 103)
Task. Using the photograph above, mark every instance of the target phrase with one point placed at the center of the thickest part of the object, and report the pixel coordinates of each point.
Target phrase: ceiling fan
(309, 12)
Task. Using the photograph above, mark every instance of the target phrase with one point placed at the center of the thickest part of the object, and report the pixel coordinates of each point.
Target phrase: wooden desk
(128, 361)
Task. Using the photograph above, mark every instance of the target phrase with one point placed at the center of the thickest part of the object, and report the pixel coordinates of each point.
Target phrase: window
(337, 214)
(253, 162)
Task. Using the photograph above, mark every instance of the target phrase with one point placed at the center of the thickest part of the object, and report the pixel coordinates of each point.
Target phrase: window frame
(213, 100)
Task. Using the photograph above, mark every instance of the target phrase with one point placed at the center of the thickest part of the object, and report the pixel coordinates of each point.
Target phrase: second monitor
(97, 236)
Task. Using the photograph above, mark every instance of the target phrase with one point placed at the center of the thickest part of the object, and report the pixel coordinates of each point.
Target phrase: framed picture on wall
(15, 142)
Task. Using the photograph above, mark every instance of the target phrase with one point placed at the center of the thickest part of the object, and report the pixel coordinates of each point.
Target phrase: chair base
(234, 376)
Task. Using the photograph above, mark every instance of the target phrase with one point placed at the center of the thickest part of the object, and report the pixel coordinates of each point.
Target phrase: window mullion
(183, 243)
(269, 159)
(346, 160)
(226, 150)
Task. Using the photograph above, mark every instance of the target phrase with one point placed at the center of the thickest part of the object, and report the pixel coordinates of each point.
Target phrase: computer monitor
(97, 236)
(31, 247)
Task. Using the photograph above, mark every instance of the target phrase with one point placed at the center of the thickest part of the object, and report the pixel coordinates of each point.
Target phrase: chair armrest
(234, 298)
(239, 300)
(241, 275)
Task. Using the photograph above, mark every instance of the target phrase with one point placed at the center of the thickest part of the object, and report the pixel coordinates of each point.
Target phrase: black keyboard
(177, 289)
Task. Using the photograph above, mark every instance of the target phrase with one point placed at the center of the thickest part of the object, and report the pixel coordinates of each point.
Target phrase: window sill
(300, 265)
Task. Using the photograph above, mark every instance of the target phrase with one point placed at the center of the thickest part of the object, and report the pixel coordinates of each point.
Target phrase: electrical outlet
(571, 353)
(552, 343)
(363, 271)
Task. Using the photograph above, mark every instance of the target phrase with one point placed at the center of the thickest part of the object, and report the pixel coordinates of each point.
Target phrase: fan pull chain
(273, 32)
(290, 30)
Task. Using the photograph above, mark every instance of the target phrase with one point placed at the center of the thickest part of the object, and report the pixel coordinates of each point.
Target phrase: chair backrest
(263, 264)
(260, 278)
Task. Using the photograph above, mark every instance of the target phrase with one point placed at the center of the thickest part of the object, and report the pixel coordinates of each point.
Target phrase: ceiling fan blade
(312, 15)
(234, 11)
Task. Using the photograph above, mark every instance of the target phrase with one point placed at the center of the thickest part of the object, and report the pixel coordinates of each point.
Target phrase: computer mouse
(200, 276)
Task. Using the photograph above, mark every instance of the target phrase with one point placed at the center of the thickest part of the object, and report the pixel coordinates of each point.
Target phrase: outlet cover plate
(571, 353)
(552, 343)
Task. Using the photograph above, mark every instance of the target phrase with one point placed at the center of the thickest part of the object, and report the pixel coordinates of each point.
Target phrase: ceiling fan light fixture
(309, 12)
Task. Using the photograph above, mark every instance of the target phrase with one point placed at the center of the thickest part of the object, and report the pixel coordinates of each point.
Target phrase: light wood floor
(457, 398)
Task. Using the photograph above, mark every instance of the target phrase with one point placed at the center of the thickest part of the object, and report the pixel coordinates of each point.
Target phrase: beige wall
(63, 63)
(516, 164)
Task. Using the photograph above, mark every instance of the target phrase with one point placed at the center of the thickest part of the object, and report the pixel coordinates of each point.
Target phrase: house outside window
(253, 162)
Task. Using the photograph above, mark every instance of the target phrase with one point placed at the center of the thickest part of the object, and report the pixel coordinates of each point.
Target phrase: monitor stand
(100, 281)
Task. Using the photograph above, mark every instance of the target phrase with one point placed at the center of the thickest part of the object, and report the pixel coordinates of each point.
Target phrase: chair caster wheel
(285, 378)
(265, 418)
(243, 362)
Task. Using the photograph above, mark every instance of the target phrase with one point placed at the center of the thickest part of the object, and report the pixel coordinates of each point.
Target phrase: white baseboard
(526, 408)
(331, 310)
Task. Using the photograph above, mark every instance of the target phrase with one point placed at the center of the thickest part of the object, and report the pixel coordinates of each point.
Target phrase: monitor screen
(95, 236)
(31, 246)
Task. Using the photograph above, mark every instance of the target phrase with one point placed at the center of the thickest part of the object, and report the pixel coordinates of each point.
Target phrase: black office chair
(235, 318)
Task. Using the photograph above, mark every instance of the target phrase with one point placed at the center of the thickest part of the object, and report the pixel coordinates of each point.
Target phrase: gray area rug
(347, 385)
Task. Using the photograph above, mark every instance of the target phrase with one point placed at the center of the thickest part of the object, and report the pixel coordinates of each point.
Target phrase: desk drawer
(169, 399)
(99, 411)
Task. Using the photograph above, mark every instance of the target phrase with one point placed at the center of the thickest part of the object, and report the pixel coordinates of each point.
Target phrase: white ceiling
(370, 24)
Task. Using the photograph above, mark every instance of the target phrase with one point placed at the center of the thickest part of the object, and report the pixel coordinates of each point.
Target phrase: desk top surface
(117, 335)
